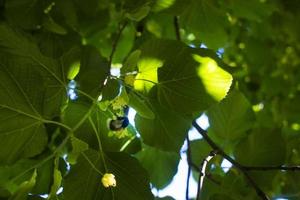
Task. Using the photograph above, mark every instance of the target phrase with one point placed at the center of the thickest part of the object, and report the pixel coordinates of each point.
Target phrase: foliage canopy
(59, 89)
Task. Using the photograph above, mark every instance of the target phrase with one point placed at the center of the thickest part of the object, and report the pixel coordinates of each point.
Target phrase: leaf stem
(91, 164)
(85, 94)
(99, 143)
(57, 123)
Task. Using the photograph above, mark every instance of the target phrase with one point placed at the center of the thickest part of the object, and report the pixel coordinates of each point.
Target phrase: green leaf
(199, 151)
(163, 169)
(125, 44)
(164, 198)
(209, 188)
(131, 179)
(291, 183)
(131, 62)
(34, 197)
(134, 146)
(263, 147)
(253, 10)
(9, 172)
(140, 105)
(33, 91)
(78, 146)
(137, 10)
(24, 188)
(68, 11)
(206, 21)
(65, 48)
(110, 90)
(54, 27)
(57, 179)
(235, 185)
(20, 50)
(187, 80)
(87, 18)
(44, 178)
(220, 197)
(20, 135)
(25, 13)
(161, 26)
(232, 117)
(166, 131)
(139, 14)
(73, 71)
(104, 39)
(160, 5)
(93, 71)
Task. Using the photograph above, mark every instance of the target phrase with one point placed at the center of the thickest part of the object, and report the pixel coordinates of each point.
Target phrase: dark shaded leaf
(166, 131)
(206, 21)
(93, 71)
(232, 118)
(161, 165)
(263, 147)
(27, 14)
(131, 178)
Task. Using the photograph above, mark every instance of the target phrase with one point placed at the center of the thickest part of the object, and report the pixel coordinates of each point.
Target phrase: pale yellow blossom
(109, 180)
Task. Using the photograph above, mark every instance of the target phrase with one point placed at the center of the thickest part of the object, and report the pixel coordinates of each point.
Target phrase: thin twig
(113, 50)
(188, 156)
(259, 192)
(268, 168)
(177, 28)
(115, 42)
(202, 172)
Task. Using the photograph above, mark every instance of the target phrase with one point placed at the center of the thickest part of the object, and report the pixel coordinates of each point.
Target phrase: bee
(118, 124)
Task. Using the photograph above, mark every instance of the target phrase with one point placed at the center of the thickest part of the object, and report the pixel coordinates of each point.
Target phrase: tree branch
(113, 50)
(219, 151)
(202, 172)
(268, 168)
(115, 42)
(177, 28)
(189, 156)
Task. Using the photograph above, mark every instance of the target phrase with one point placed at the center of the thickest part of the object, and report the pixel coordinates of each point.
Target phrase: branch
(177, 28)
(259, 192)
(113, 50)
(189, 156)
(267, 168)
(115, 42)
(202, 172)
